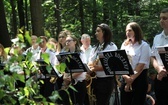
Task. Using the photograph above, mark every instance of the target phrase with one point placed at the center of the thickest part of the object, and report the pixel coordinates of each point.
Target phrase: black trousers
(103, 88)
(161, 91)
(47, 88)
(138, 95)
(76, 97)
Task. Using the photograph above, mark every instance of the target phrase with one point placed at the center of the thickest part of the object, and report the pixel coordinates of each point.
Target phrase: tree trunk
(81, 15)
(26, 17)
(4, 34)
(94, 21)
(21, 13)
(13, 19)
(130, 7)
(137, 8)
(57, 16)
(37, 17)
(105, 12)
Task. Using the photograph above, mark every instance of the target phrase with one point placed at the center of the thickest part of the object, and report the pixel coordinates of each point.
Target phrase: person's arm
(129, 79)
(151, 99)
(93, 65)
(160, 69)
(149, 87)
(155, 64)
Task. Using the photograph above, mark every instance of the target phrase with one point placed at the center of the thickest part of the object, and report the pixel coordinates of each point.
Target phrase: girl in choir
(103, 84)
(62, 39)
(134, 87)
(78, 97)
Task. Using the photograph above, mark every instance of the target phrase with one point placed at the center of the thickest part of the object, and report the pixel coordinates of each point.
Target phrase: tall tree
(13, 19)
(4, 34)
(106, 12)
(37, 17)
(57, 16)
(94, 10)
(81, 15)
(21, 13)
(26, 15)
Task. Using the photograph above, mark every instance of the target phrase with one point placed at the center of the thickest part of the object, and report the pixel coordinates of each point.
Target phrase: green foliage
(29, 94)
(61, 67)
(116, 11)
(27, 36)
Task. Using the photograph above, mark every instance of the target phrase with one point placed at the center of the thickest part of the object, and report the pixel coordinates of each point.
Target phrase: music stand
(73, 63)
(115, 63)
(163, 52)
(43, 68)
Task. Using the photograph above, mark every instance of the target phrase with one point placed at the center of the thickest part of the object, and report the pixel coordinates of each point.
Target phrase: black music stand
(43, 68)
(73, 63)
(115, 63)
(163, 52)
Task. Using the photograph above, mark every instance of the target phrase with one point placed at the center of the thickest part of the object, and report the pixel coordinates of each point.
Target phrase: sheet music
(162, 49)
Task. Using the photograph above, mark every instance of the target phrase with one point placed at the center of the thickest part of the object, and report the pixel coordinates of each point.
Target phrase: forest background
(49, 17)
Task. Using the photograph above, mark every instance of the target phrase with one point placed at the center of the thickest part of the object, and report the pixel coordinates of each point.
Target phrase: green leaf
(2, 93)
(54, 96)
(49, 68)
(20, 77)
(39, 40)
(72, 87)
(45, 56)
(29, 56)
(7, 50)
(41, 81)
(26, 91)
(61, 67)
(28, 37)
(21, 38)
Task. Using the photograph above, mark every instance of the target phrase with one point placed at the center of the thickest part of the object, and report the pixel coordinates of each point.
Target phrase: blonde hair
(65, 33)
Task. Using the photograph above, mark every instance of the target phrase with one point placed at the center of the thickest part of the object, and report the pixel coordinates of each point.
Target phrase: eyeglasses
(163, 18)
(68, 41)
(61, 37)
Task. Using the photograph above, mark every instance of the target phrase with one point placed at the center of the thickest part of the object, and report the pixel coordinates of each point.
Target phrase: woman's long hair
(107, 35)
(138, 32)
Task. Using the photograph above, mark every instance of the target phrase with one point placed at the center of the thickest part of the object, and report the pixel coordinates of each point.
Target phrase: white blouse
(138, 53)
(94, 56)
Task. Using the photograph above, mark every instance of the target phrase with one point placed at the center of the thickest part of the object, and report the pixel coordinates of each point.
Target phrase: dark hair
(107, 34)
(137, 30)
(165, 10)
(44, 37)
